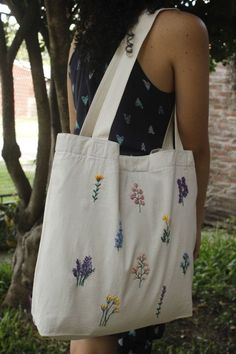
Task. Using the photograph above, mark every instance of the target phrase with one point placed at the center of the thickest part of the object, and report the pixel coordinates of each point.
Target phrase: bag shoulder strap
(106, 101)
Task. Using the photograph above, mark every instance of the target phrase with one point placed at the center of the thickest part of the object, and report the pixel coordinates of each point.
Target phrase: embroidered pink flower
(137, 196)
(141, 270)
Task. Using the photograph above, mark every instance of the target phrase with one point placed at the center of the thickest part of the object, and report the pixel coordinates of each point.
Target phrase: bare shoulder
(180, 28)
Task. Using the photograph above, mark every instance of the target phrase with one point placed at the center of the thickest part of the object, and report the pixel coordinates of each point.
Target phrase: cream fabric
(116, 251)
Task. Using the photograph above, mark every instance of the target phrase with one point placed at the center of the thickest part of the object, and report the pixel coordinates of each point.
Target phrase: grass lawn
(27, 139)
(211, 330)
(6, 184)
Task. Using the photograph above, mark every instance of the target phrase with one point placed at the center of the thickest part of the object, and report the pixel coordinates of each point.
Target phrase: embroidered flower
(112, 306)
(98, 178)
(183, 189)
(141, 270)
(119, 238)
(166, 232)
(158, 309)
(185, 263)
(137, 196)
(83, 270)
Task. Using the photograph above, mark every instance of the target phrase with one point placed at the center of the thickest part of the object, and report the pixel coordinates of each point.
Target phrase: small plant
(158, 310)
(99, 178)
(83, 271)
(185, 263)
(119, 238)
(166, 232)
(183, 189)
(112, 306)
(137, 196)
(141, 270)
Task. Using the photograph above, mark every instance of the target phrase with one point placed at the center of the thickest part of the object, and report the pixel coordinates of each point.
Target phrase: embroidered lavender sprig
(83, 271)
(99, 178)
(183, 189)
(137, 196)
(119, 238)
(112, 306)
(141, 270)
(185, 263)
(158, 310)
(166, 232)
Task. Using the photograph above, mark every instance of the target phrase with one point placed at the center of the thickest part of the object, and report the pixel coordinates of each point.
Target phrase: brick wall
(24, 94)
(221, 200)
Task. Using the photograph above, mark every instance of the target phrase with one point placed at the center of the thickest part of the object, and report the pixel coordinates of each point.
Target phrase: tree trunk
(24, 260)
(30, 213)
(59, 40)
(35, 207)
(11, 151)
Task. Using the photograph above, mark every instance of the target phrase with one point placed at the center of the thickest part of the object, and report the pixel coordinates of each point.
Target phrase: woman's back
(171, 68)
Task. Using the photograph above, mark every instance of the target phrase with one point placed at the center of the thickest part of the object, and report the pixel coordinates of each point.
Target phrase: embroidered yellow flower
(116, 301)
(103, 307)
(116, 310)
(112, 306)
(99, 178)
(166, 218)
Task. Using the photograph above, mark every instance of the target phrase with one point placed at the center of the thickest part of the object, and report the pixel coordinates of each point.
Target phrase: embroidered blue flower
(185, 263)
(119, 238)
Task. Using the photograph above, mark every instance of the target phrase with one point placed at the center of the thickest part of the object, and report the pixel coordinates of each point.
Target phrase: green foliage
(215, 270)
(212, 327)
(5, 279)
(18, 336)
(7, 225)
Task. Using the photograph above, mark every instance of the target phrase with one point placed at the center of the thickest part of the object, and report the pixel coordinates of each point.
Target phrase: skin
(174, 56)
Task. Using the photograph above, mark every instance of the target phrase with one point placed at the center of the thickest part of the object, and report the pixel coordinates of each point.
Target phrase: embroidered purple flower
(137, 196)
(158, 310)
(183, 189)
(99, 178)
(82, 271)
(112, 306)
(141, 270)
(185, 263)
(119, 238)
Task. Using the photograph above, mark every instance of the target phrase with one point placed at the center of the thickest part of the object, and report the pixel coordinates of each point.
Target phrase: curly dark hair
(102, 24)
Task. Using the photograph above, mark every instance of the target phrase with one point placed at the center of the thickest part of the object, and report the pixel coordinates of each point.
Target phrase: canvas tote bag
(116, 250)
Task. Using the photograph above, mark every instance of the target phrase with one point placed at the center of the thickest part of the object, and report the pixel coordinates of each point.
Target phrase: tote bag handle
(106, 101)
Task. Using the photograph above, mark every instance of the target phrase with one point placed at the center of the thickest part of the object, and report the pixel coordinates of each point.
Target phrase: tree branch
(11, 151)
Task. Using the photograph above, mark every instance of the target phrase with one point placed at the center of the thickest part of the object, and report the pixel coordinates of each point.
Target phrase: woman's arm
(190, 61)
(72, 111)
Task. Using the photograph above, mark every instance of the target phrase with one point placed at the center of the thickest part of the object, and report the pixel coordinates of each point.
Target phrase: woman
(172, 66)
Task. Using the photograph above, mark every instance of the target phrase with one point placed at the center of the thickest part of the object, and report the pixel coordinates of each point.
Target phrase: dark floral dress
(139, 127)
